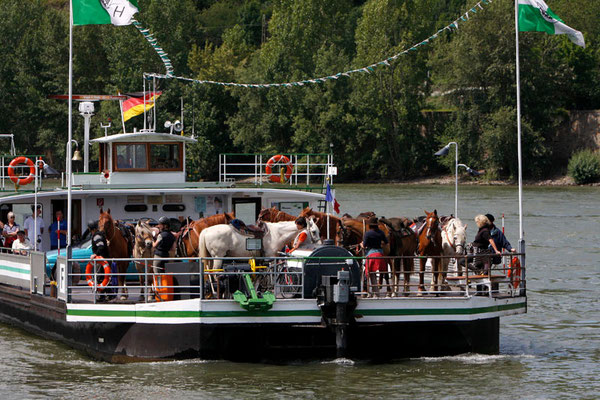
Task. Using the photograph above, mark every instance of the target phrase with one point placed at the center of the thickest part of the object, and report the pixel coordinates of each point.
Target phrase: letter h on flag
(330, 198)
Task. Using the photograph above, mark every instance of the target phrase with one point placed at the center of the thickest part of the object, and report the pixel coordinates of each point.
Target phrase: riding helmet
(92, 224)
(163, 220)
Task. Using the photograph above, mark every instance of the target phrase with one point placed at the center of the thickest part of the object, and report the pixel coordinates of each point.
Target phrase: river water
(553, 351)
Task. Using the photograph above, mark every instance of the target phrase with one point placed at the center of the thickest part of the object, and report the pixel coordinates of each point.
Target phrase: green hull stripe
(13, 269)
(289, 313)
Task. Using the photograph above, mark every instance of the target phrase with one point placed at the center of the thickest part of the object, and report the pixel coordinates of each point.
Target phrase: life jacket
(306, 241)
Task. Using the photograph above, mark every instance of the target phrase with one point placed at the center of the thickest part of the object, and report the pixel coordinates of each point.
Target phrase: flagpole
(69, 150)
(122, 116)
(520, 160)
(327, 210)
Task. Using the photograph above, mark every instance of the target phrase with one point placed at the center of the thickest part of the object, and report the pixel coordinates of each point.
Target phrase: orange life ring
(14, 177)
(276, 160)
(89, 271)
(515, 272)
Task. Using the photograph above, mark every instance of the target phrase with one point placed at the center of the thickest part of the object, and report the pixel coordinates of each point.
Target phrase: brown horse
(406, 243)
(274, 215)
(187, 242)
(430, 244)
(321, 221)
(118, 247)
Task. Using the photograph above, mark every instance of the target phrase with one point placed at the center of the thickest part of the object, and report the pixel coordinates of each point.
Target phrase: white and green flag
(116, 12)
(536, 16)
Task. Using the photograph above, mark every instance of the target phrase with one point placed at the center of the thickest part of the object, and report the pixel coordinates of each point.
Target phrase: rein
(448, 239)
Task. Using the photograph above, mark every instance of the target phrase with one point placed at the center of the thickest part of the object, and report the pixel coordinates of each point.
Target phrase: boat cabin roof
(143, 137)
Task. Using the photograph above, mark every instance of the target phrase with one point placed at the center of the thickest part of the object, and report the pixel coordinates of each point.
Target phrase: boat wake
(340, 361)
(473, 358)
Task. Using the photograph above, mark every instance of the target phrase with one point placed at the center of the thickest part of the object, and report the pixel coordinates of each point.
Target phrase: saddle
(419, 225)
(128, 232)
(444, 219)
(403, 227)
(257, 231)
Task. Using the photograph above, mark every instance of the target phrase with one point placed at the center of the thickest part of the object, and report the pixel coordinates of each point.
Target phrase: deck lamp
(470, 171)
(444, 152)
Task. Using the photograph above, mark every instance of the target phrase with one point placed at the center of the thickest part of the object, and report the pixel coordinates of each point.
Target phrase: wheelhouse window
(131, 156)
(147, 156)
(165, 156)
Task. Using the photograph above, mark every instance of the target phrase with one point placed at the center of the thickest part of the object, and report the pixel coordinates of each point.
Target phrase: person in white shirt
(22, 244)
(29, 226)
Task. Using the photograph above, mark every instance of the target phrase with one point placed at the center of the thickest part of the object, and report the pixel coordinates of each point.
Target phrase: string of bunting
(368, 69)
(159, 50)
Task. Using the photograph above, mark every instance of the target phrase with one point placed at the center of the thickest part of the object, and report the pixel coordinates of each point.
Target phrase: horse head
(105, 222)
(313, 229)
(143, 235)
(341, 235)
(267, 214)
(306, 212)
(432, 224)
(460, 236)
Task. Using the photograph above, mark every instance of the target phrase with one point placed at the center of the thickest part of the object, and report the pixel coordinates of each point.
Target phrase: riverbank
(449, 180)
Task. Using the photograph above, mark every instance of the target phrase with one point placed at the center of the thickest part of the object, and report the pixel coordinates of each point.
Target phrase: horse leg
(408, 264)
(122, 268)
(395, 276)
(422, 261)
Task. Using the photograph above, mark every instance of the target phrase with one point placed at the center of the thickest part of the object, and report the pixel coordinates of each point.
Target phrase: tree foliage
(381, 125)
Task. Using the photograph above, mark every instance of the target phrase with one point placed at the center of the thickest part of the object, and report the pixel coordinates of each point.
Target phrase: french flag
(329, 197)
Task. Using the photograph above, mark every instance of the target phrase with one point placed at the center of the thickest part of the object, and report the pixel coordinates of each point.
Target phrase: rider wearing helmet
(99, 244)
(163, 244)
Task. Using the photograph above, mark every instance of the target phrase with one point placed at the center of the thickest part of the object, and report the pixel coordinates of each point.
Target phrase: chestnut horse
(321, 221)
(406, 244)
(118, 247)
(430, 244)
(274, 215)
(188, 240)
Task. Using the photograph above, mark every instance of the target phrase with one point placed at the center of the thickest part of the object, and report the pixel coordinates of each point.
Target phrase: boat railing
(23, 268)
(301, 170)
(20, 173)
(286, 278)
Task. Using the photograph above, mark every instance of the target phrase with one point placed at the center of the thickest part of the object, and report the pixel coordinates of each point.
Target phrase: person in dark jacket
(373, 241)
(163, 244)
(499, 239)
(99, 244)
(484, 243)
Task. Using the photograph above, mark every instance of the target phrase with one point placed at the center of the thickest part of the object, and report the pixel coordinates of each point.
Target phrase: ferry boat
(311, 304)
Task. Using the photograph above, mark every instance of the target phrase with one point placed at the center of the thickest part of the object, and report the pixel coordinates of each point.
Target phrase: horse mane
(275, 215)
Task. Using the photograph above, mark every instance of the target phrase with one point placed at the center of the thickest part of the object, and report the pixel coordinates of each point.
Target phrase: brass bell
(77, 156)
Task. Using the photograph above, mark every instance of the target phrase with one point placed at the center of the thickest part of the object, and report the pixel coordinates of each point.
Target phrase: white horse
(454, 238)
(142, 248)
(226, 241)
(313, 229)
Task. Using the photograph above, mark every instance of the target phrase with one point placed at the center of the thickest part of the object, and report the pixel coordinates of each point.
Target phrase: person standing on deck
(30, 228)
(99, 244)
(10, 230)
(163, 244)
(58, 229)
(373, 241)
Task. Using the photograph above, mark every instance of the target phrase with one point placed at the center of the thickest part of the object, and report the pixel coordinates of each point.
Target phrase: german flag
(135, 104)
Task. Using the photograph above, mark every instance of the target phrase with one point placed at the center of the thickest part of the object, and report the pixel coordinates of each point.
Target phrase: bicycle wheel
(288, 283)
